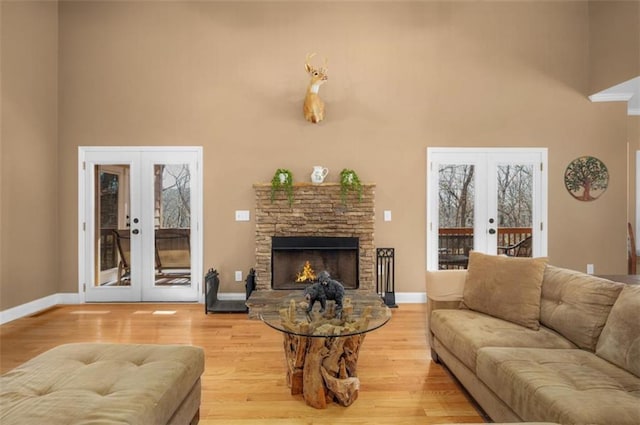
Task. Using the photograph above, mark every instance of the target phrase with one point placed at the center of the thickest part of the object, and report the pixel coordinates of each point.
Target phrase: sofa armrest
(444, 291)
(445, 285)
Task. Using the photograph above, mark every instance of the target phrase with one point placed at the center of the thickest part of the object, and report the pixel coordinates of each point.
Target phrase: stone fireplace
(317, 228)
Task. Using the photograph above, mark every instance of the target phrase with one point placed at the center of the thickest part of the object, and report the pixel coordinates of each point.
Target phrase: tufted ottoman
(105, 384)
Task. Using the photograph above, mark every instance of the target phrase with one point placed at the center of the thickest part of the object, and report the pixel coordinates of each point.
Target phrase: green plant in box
(349, 181)
(282, 180)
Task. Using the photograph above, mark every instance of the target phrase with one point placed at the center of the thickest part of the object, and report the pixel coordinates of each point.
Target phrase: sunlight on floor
(90, 312)
(157, 312)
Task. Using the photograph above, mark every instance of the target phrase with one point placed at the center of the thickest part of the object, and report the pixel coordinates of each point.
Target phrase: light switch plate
(387, 215)
(238, 276)
(242, 215)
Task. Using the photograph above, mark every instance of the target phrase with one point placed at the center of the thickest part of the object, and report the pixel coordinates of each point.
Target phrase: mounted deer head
(313, 106)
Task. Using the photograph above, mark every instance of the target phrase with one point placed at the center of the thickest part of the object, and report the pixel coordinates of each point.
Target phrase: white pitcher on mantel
(318, 174)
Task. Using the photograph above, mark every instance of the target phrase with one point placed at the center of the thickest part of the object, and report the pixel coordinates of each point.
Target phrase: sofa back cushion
(620, 339)
(576, 304)
(505, 287)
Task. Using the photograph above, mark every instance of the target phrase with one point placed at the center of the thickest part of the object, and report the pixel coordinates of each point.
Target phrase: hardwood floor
(244, 381)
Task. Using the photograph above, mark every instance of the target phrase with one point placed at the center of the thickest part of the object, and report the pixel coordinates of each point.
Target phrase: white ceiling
(629, 92)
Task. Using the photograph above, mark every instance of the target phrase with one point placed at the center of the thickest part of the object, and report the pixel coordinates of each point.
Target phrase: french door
(140, 224)
(492, 200)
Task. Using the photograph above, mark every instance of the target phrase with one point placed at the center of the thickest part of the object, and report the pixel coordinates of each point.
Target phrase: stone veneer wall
(317, 210)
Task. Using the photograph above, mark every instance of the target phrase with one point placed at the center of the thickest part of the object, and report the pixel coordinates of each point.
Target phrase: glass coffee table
(321, 350)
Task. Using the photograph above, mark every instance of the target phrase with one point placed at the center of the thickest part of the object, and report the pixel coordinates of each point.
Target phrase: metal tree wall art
(313, 106)
(586, 178)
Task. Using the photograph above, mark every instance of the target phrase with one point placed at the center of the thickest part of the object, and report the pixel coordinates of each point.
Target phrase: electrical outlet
(590, 269)
(387, 215)
(238, 276)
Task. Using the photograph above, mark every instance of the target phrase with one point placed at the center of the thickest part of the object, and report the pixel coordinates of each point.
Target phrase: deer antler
(307, 65)
(323, 69)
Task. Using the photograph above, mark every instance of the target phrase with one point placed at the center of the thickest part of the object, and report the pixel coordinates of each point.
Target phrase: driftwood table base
(321, 347)
(323, 369)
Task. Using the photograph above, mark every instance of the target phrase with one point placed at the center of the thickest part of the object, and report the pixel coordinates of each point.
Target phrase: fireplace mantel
(317, 210)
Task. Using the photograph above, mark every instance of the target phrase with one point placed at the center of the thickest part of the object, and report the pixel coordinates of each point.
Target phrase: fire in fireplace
(295, 260)
(307, 274)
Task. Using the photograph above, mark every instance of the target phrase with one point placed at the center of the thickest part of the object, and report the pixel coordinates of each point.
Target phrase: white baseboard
(411, 297)
(35, 306)
(69, 298)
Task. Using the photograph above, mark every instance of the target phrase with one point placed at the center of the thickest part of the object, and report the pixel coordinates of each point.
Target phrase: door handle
(135, 231)
(492, 231)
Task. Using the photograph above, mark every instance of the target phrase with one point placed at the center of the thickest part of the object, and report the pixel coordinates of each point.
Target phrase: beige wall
(29, 160)
(614, 57)
(634, 146)
(402, 77)
(613, 23)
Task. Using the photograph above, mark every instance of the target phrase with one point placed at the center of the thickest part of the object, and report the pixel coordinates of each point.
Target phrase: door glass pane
(112, 226)
(515, 209)
(172, 221)
(456, 215)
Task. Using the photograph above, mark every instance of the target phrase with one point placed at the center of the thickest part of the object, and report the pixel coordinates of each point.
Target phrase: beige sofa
(106, 384)
(578, 362)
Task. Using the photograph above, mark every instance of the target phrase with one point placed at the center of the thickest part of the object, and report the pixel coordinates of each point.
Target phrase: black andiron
(214, 305)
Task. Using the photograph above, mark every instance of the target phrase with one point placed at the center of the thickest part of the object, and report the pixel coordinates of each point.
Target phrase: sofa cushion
(576, 304)
(505, 287)
(620, 339)
(464, 332)
(100, 383)
(564, 386)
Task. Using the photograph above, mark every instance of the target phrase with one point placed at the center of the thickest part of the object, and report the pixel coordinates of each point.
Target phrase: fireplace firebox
(296, 260)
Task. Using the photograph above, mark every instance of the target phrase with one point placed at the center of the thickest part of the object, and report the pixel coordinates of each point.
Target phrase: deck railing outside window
(454, 244)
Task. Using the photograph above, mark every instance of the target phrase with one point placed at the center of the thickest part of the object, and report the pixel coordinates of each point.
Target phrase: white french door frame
(86, 250)
(484, 160)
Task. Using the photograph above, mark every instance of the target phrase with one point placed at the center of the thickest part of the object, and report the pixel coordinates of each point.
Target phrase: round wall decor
(586, 178)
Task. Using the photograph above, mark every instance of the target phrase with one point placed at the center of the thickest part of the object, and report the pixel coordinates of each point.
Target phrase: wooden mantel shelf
(309, 184)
